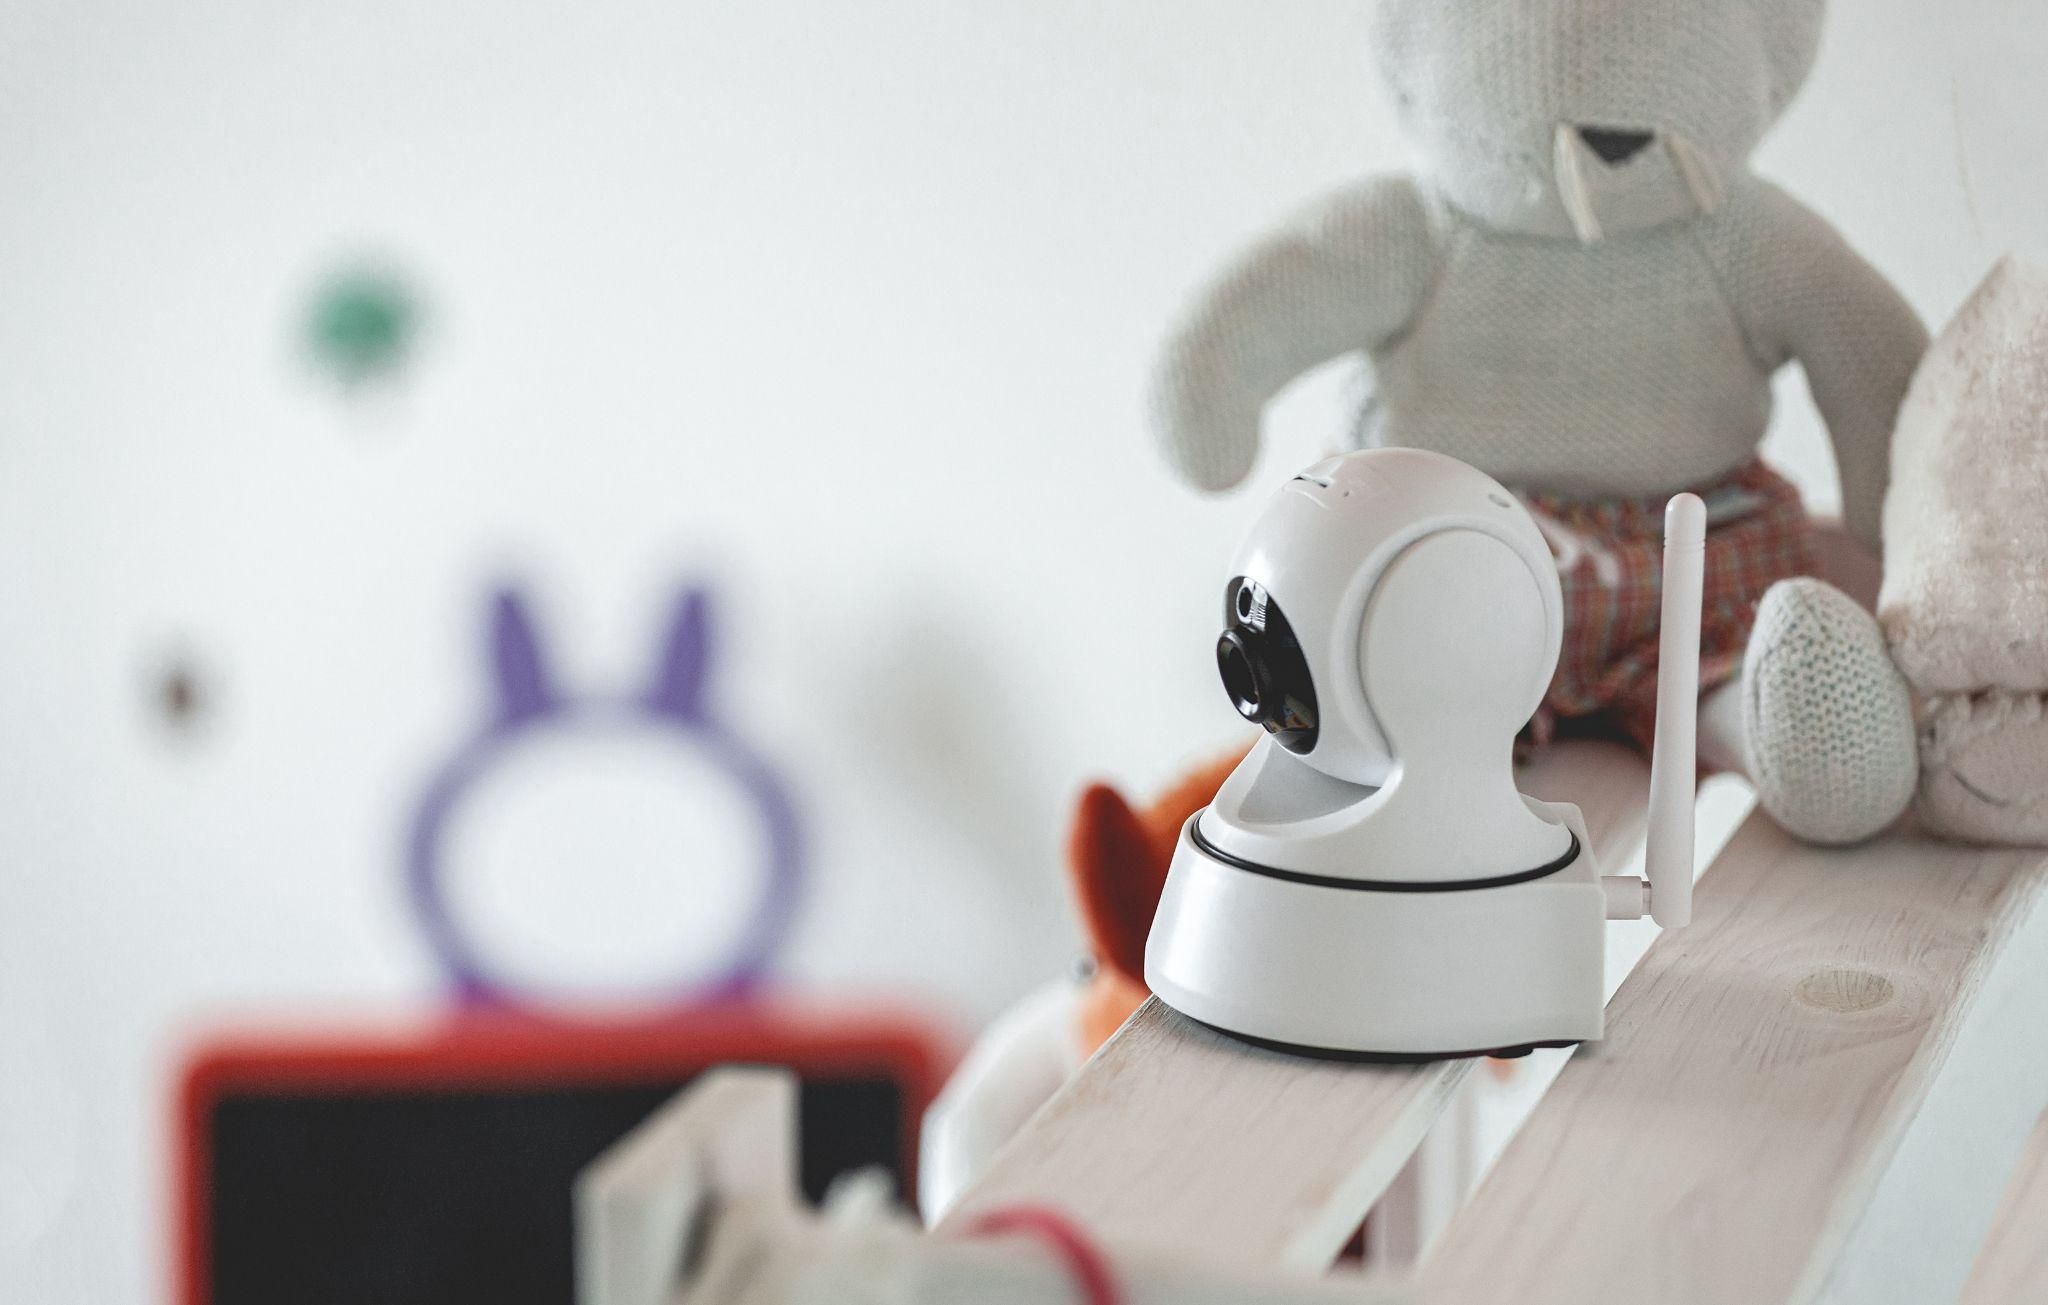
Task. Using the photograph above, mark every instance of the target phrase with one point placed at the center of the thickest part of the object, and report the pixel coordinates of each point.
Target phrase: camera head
(1383, 595)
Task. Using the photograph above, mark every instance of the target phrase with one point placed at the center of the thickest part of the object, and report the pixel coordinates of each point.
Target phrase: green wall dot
(362, 326)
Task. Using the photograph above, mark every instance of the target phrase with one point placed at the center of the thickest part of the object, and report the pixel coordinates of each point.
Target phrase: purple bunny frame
(674, 700)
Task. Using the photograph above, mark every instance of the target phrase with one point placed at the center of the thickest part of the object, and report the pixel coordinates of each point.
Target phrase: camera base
(1318, 965)
(1386, 1057)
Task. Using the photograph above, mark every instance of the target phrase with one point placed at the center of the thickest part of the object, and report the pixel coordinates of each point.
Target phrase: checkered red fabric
(1610, 556)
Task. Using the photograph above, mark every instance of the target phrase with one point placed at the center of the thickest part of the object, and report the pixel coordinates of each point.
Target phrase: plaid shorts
(1610, 556)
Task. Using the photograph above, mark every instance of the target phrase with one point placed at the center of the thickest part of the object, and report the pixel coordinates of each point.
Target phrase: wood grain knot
(1845, 991)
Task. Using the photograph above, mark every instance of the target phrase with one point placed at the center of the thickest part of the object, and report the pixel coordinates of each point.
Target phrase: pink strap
(1085, 1262)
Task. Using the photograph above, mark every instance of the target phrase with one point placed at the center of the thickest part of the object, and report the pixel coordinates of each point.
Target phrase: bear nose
(1614, 145)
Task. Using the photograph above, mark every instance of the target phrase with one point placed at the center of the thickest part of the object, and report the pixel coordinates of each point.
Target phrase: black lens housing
(1263, 668)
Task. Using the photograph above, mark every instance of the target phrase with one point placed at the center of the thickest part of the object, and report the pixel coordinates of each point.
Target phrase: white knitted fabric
(1965, 599)
(1570, 325)
(1828, 717)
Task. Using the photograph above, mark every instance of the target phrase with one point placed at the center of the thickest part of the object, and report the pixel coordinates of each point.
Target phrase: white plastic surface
(1323, 545)
(1395, 973)
(1674, 764)
(1628, 898)
(1429, 612)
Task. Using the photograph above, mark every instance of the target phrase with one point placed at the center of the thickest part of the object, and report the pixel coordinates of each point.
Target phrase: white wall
(846, 307)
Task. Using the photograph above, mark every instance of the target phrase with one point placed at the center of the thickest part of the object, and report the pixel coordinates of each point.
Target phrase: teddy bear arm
(1803, 294)
(1347, 275)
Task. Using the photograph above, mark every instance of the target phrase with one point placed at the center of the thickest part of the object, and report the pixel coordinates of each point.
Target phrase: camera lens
(1263, 668)
(1240, 679)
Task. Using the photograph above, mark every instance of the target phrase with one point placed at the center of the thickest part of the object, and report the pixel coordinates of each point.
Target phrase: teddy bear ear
(1791, 32)
(1117, 876)
(1164, 818)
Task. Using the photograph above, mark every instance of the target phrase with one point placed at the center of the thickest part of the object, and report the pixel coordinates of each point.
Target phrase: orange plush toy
(1116, 861)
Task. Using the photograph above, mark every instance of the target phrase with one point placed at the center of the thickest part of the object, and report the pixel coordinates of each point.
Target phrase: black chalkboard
(384, 1197)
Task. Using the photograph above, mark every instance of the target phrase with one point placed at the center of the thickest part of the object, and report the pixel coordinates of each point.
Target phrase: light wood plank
(698, 1206)
(1460, 1149)
(835, 1260)
(1178, 1140)
(1734, 1137)
(1932, 1200)
(2014, 1265)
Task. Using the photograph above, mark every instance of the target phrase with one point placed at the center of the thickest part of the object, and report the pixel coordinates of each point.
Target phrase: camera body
(1370, 882)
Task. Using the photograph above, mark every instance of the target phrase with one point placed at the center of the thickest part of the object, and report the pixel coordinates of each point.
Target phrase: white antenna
(1674, 757)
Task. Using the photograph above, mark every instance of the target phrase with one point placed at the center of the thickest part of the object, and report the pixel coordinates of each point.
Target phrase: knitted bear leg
(1828, 717)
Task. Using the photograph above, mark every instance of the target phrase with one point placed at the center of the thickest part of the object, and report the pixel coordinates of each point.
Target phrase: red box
(431, 1162)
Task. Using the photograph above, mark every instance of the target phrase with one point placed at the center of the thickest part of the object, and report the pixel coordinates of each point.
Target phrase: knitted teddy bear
(1585, 292)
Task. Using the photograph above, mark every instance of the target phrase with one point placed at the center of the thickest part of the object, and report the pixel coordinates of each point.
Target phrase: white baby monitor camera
(1370, 882)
